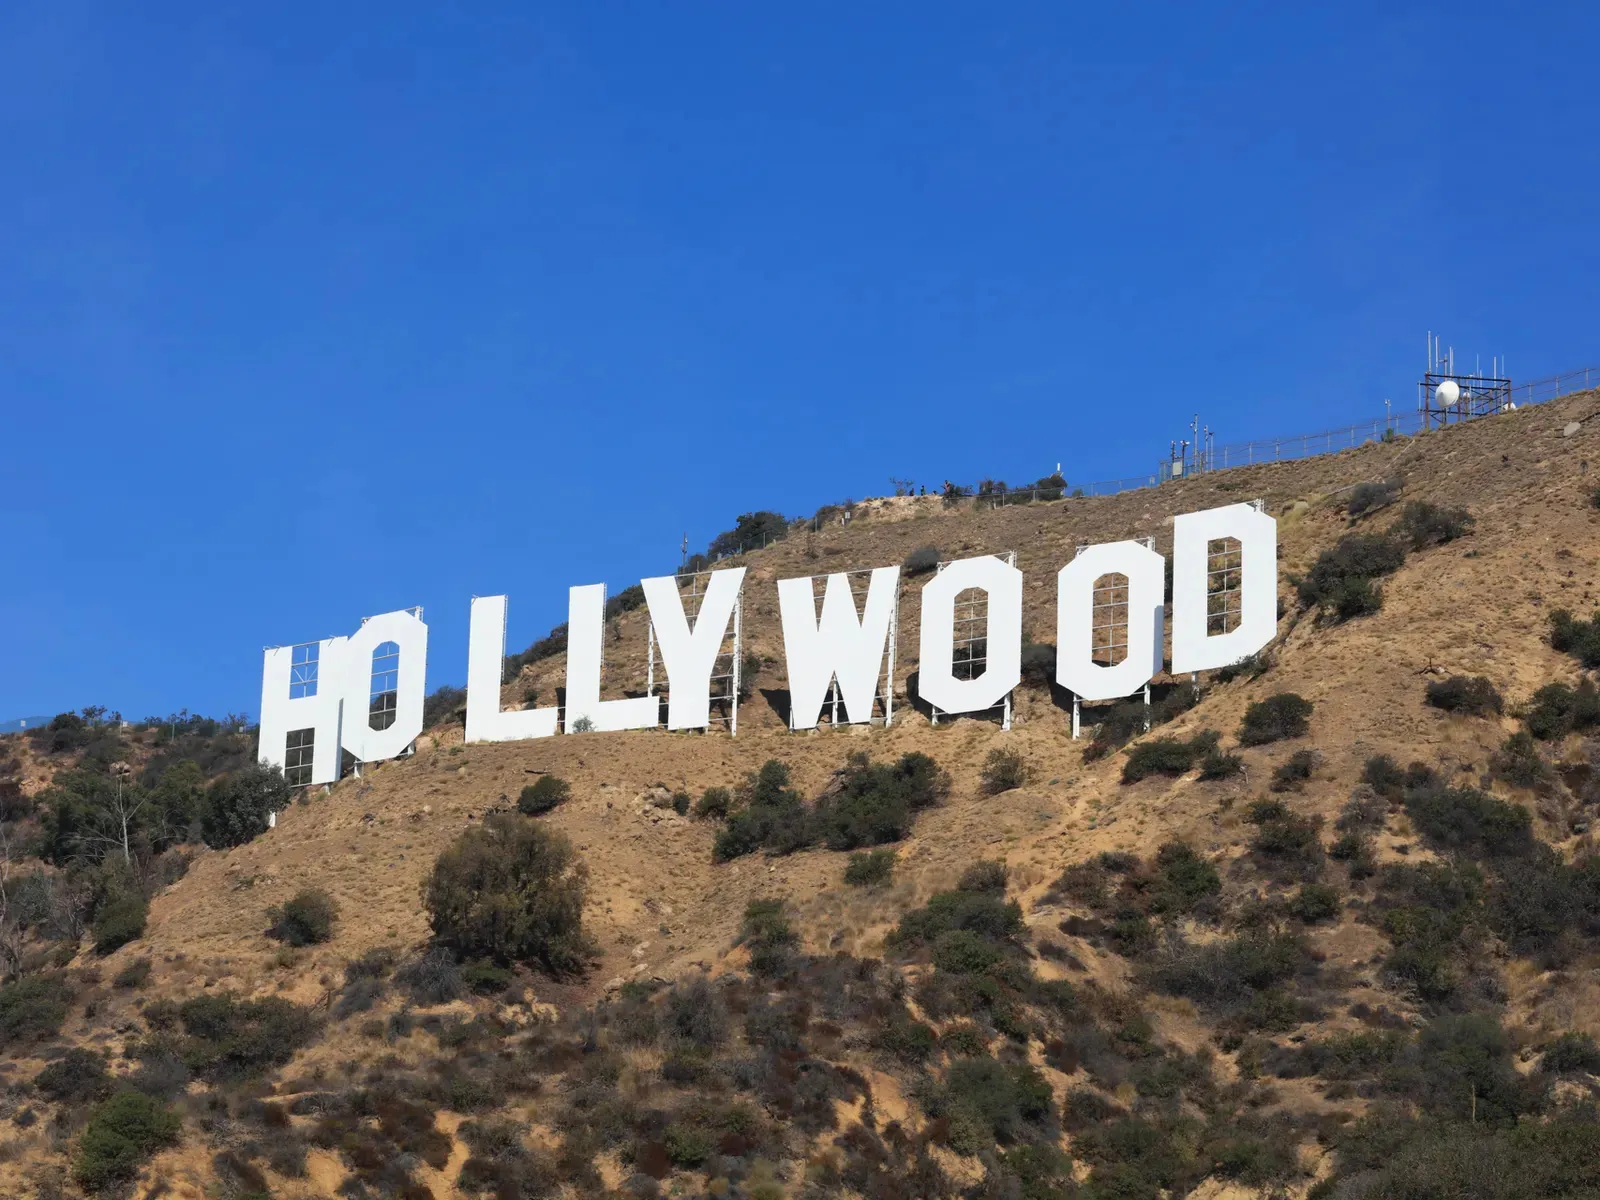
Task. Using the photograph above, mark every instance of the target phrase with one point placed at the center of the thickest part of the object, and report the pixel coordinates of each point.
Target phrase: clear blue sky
(316, 311)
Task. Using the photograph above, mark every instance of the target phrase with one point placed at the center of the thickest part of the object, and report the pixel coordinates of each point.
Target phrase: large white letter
(1257, 534)
(402, 663)
(486, 658)
(690, 655)
(841, 644)
(586, 628)
(936, 680)
(1076, 669)
(301, 694)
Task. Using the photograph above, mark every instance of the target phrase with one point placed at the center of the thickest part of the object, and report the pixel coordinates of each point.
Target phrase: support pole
(1077, 724)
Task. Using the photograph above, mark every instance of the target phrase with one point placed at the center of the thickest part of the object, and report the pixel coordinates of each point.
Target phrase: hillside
(1148, 1038)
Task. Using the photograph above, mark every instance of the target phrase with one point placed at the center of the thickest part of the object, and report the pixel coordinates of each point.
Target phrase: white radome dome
(1447, 393)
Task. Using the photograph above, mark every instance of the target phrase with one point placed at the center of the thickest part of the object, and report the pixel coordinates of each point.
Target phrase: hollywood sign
(362, 695)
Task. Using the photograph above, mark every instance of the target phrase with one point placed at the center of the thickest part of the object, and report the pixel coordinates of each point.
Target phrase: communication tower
(1446, 395)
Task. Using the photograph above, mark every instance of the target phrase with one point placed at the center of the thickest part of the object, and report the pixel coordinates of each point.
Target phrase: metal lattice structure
(300, 748)
(883, 695)
(1479, 396)
(1108, 631)
(1224, 585)
(970, 643)
(726, 669)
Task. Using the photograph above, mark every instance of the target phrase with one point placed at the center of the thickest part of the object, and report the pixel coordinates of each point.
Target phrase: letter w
(842, 644)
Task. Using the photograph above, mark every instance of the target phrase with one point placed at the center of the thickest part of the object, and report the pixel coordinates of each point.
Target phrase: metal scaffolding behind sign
(726, 681)
(970, 643)
(883, 693)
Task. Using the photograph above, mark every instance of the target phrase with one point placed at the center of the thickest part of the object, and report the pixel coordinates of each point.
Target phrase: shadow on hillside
(779, 701)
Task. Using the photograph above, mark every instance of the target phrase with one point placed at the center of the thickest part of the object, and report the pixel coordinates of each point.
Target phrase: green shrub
(1229, 973)
(688, 1145)
(1285, 715)
(486, 978)
(236, 807)
(1466, 820)
(133, 975)
(33, 1007)
(119, 921)
(1571, 1052)
(434, 977)
(1286, 840)
(1220, 765)
(910, 1041)
(963, 952)
(227, 1038)
(766, 932)
(1292, 774)
(1557, 710)
(511, 890)
(1518, 761)
(1581, 639)
(1251, 666)
(872, 803)
(681, 803)
(985, 875)
(1314, 902)
(869, 868)
(985, 913)
(121, 1135)
(1365, 497)
(1168, 756)
(1038, 665)
(1423, 524)
(1341, 583)
(543, 794)
(443, 704)
(1383, 775)
(1002, 771)
(714, 803)
(305, 919)
(1474, 696)
(75, 1078)
(1184, 879)
(751, 531)
(771, 814)
(920, 561)
(987, 1102)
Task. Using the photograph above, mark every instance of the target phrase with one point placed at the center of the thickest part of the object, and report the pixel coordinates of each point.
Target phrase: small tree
(1285, 715)
(921, 560)
(121, 1134)
(119, 921)
(237, 807)
(511, 890)
(1003, 771)
(543, 794)
(306, 919)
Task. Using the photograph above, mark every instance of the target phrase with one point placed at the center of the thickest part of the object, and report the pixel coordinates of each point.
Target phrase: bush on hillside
(77, 1077)
(1218, 764)
(434, 977)
(767, 934)
(1051, 486)
(444, 703)
(1571, 1053)
(1038, 664)
(1168, 756)
(985, 913)
(714, 803)
(1293, 772)
(1314, 902)
(1469, 821)
(871, 803)
(751, 531)
(511, 890)
(122, 1134)
(1365, 497)
(920, 561)
(1284, 715)
(1383, 775)
(119, 921)
(229, 1038)
(33, 1007)
(236, 807)
(1342, 582)
(1576, 637)
(869, 868)
(543, 794)
(1424, 525)
(1474, 696)
(1518, 761)
(1557, 710)
(305, 919)
(552, 644)
(1002, 771)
